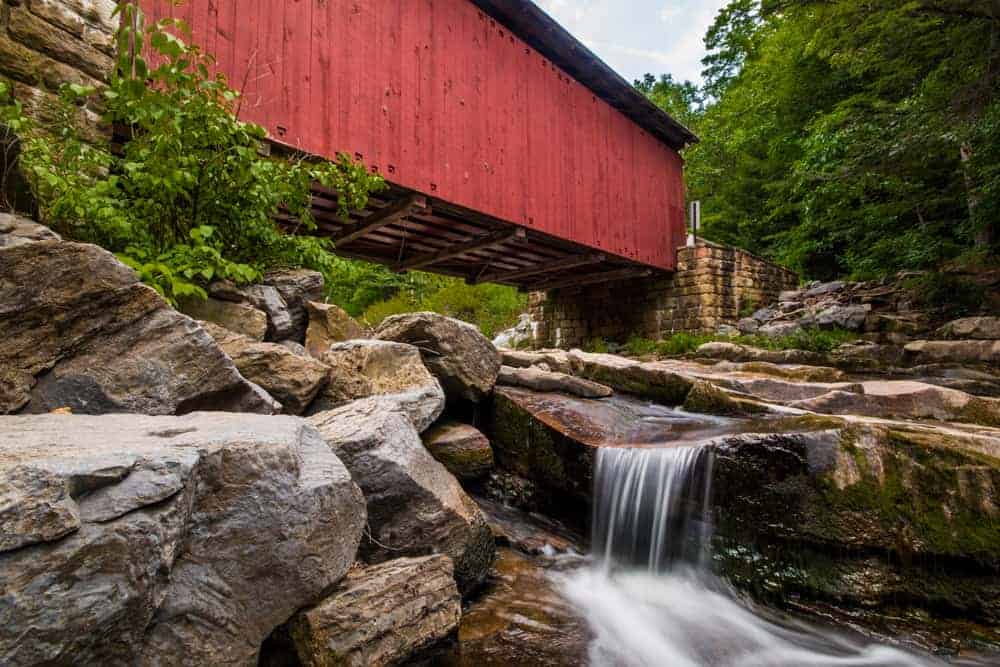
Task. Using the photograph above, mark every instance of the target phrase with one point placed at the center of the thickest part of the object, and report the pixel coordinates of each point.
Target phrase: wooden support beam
(591, 279)
(547, 267)
(384, 216)
(488, 241)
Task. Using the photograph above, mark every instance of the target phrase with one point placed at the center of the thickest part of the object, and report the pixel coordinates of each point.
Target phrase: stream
(645, 594)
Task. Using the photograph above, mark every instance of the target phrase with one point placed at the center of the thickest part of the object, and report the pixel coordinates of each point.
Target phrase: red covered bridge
(513, 153)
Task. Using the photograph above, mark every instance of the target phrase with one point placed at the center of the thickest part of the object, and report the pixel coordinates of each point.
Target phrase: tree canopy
(844, 137)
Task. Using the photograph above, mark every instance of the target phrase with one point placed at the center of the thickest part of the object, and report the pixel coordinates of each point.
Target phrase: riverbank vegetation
(847, 138)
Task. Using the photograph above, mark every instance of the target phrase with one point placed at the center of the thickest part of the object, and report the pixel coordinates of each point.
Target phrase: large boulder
(852, 317)
(907, 400)
(461, 448)
(461, 357)
(296, 287)
(16, 230)
(165, 540)
(980, 328)
(81, 332)
(415, 506)
(393, 372)
(651, 380)
(293, 379)
(540, 380)
(380, 615)
(329, 324)
(863, 514)
(241, 318)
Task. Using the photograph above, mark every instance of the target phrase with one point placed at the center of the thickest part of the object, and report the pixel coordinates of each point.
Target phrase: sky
(639, 36)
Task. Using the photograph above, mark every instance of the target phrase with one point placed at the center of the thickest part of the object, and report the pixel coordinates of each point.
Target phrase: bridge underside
(408, 232)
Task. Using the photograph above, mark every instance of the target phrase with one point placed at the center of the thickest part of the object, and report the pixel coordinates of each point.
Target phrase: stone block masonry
(46, 43)
(713, 285)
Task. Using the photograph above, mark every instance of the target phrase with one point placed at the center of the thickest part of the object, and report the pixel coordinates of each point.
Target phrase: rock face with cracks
(540, 380)
(329, 324)
(292, 379)
(165, 540)
(380, 614)
(392, 372)
(461, 357)
(80, 331)
(415, 506)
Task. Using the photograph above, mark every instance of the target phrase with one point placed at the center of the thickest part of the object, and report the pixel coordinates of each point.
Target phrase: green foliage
(811, 340)
(950, 295)
(597, 345)
(189, 197)
(492, 308)
(843, 137)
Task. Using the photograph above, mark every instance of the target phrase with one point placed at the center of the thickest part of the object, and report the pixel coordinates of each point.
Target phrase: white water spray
(650, 598)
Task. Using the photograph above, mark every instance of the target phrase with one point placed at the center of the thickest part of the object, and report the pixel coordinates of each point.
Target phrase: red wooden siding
(442, 99)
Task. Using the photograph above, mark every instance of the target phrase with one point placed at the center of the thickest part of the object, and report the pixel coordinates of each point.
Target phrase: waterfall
(652, 506)
(650, 599)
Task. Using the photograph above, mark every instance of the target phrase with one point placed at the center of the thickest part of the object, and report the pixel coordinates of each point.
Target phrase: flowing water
(649, 596)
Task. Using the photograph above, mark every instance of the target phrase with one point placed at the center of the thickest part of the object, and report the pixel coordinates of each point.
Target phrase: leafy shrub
(596, 345)
(811, 340)
(189, 197)
(950, 295)
(492, 308)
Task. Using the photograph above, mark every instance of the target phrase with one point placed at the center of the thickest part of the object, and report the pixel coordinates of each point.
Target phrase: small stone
(461, 448)
(239, 318)
(329, 324)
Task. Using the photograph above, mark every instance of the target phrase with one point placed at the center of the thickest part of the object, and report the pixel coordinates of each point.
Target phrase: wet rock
(241, 318)
(907, 400)
(863, 513)
(328, 324)
(394, 372)
(16, 230)
(165, 540)
(786, 391)
(647, 379)
(80, 331)
(456, 353)
(380, 615)
(296, 287)
(709, 399)
(539, 380)
(294, 380)
(461, 448)
(843, 317)
(979, 328)
(415, 506)
(954, 351)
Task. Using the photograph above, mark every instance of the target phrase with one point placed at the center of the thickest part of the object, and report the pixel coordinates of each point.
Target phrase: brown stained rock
(292, 379)
(461, 448)
(393, 372)
(239, 318)
(907, 400)
(415, 506)
(329, 324)
(649, 380)
(455, 352)
(540, 380)
(80, 331)
(557, 361)
(39, 35)
(130, 539)
(709, 399)
(380, 614)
